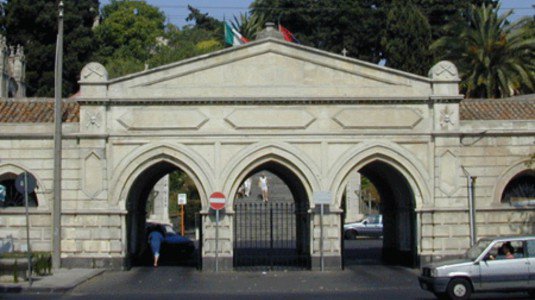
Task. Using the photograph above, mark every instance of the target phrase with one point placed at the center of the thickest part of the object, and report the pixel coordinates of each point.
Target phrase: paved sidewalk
(61, 281)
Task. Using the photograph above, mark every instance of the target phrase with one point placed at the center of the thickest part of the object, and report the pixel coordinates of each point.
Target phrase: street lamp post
(56, 254)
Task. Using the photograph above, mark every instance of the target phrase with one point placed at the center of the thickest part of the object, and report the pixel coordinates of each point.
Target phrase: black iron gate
(271, 235)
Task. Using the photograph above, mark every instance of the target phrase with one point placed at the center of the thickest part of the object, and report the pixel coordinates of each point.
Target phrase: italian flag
(233, 37)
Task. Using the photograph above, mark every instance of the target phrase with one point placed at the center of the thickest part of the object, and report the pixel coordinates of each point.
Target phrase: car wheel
(459, 288)
(351, 235)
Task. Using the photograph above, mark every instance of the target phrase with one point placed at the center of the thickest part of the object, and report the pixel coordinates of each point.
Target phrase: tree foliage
(204, 21)
(127, 35)
(34, 25)
(183, 44)
(495, 58)
(368, 29)
(407, 38)
(330, 25)
(249, 25)
(133, 36)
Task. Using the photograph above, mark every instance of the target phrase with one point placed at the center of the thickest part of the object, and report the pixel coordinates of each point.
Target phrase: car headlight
(433, 272)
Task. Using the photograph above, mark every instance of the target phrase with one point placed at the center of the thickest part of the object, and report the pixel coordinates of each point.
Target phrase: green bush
(42, 264)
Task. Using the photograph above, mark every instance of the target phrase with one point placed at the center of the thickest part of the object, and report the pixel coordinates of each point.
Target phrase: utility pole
(58, 70)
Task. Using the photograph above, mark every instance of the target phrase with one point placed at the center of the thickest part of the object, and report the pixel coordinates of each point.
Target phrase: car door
(501, 273)
(375, 226)
(530, 253)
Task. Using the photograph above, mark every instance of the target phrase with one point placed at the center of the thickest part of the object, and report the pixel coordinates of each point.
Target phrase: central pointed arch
(258, 154)
(276, 232)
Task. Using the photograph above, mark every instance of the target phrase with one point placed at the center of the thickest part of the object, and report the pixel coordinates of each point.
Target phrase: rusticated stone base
(111, 263)
(330, 263)
(224, 264)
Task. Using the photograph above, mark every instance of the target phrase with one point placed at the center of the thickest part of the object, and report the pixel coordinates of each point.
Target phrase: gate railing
(271, 235)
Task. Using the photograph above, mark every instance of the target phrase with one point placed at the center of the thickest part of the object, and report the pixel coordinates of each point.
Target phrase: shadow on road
(363, 251)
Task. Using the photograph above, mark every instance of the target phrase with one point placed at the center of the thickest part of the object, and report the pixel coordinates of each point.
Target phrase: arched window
(13, 198)
(520, 191)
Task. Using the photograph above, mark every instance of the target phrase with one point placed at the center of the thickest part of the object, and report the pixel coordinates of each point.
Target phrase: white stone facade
(320, 116)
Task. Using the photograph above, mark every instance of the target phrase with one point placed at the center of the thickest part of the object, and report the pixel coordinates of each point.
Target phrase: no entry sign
(217, 201)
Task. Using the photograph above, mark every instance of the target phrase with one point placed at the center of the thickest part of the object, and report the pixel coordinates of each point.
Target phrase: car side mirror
(365, 222)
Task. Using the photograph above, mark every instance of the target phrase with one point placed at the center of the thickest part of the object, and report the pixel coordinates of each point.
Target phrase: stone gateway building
(312, 118)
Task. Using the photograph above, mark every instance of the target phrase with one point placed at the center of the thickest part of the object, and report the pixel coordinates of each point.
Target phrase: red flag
(288, 36)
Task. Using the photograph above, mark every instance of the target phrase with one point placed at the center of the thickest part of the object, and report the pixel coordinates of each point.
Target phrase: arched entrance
(137, 223)
(271, 230)
(520, 190)
(398, 244)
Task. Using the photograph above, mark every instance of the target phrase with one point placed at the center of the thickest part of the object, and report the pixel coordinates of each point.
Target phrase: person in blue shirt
(155, 239)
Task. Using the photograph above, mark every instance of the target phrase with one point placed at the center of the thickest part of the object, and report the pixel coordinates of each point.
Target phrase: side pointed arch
(390, 153)
(41, 192)
(148, 155)
(506, 176)
(258, 154)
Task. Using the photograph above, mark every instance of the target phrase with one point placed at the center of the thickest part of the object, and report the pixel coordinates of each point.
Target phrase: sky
(177, 10)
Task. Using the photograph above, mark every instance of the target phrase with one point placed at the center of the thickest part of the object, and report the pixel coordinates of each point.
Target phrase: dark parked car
(371, 225)
(174, 247)
(502, 264)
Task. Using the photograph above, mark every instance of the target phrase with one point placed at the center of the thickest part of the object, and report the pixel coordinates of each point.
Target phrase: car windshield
(475, 251)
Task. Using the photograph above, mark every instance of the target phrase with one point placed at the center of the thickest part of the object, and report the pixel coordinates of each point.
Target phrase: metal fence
(271, 235)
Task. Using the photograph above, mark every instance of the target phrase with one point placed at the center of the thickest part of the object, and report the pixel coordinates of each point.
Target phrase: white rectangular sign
(323, 197)
(182, 199)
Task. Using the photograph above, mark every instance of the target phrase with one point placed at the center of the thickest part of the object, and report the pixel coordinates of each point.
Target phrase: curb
(18, 288)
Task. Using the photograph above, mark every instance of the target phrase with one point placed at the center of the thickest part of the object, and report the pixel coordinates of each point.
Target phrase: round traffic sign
(217, 201)
(31, 183)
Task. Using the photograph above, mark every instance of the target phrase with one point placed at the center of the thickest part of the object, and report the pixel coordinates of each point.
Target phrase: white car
(371, 225)
(502, 264)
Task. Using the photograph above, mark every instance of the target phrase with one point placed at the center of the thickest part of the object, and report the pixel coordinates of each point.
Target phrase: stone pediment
(268, 69)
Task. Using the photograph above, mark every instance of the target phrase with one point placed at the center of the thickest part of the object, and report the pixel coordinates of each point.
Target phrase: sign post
(321, 199)
(25, 183)
(217, 203)
(182, 200)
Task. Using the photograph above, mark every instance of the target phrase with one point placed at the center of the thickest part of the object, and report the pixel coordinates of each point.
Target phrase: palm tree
(249, 24)
(495, 58)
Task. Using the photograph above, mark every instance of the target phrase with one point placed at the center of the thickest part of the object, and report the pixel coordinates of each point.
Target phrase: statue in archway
(263, 185)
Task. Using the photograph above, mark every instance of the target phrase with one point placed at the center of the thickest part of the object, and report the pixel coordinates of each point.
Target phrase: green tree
(183, 44)
(440, 14)
(407, 38)
(204, 21)
(330, 25)
(128, 35)
(495, 58)
(34, 25)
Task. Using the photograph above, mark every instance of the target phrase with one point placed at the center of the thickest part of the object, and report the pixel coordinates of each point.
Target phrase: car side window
(506, 250)
(530, 245)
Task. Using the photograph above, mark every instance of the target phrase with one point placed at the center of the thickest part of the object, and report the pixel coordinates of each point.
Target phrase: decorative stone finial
(94, 72)
(270, 32)
(445, 79)
(444, 71)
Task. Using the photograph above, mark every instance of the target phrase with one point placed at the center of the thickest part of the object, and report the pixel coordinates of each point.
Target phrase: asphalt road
(363, 278)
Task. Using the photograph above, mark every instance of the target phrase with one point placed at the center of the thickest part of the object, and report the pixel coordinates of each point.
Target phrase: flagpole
(56, 253)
